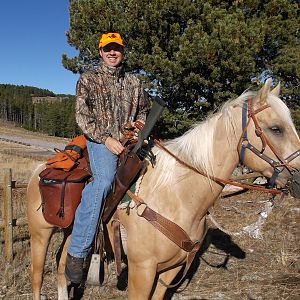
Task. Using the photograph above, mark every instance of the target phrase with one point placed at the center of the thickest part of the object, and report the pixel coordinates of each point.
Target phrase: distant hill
(38, 109)
(11, 89)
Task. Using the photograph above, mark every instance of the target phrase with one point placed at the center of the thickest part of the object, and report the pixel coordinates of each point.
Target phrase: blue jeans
(103, 165)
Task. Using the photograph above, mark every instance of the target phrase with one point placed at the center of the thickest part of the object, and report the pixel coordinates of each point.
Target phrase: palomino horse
(180, 193)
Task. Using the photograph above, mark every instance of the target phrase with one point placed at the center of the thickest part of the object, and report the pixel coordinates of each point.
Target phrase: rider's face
(112, 54)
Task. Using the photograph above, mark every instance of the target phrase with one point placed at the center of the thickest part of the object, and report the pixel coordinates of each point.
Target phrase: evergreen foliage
(55, 118)
(194, 54)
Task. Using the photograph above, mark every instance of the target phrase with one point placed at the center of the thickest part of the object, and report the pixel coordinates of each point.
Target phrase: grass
(230, 267)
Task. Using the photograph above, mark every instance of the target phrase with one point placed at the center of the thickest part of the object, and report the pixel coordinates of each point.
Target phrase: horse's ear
(261, 98)
(276, 90)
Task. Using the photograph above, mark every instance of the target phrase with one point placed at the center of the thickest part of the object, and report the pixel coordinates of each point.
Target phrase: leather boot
(74, 268)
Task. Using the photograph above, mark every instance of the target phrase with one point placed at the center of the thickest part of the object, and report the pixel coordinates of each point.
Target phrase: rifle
(130, 163)
(154, 114)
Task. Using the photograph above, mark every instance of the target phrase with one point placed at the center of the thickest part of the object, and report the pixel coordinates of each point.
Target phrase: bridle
(279, 165)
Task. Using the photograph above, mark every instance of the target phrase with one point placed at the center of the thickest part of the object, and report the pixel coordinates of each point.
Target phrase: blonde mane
(195, 147)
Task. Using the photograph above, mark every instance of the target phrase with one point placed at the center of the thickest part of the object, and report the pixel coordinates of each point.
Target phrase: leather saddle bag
(61, 194)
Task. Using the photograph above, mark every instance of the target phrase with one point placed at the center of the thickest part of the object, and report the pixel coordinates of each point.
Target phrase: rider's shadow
(221, 241)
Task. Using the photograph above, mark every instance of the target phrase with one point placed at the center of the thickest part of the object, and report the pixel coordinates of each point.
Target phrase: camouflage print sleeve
(84, 114)
(144, 104)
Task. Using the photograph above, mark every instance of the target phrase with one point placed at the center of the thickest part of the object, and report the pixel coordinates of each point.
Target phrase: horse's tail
(35, 174)
(32, 193)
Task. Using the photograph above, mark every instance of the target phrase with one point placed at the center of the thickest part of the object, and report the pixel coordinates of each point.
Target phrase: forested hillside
(41, 110)
(55, 117)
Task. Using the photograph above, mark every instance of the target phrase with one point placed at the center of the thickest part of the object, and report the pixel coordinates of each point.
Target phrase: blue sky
(32, 41)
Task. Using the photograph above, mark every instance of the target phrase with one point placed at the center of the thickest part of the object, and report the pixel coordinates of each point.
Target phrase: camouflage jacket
(106, 99)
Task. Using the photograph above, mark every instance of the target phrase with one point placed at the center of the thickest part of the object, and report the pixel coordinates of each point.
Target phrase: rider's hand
(131, 129)
(138, 126)
(114, 145)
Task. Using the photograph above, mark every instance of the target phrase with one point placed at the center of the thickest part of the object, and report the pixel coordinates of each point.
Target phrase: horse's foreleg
(39, 243)
(167, 277)
(62, 290)
(140, 280)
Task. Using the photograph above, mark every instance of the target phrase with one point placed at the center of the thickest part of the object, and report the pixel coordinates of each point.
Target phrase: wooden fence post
(7, 206)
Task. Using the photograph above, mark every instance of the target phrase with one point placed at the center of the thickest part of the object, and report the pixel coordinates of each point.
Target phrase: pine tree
(194, 54)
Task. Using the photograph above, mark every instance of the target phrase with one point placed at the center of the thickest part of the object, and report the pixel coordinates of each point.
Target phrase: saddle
(67, 173)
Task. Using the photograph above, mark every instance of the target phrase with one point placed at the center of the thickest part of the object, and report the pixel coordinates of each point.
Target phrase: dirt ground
(228, 267)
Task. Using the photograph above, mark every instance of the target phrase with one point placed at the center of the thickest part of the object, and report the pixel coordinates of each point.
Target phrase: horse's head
(270, 143)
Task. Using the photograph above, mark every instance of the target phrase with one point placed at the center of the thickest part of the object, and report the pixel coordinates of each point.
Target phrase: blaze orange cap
(111, 37)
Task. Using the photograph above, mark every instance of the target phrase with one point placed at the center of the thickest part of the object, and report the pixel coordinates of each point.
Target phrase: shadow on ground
(221, 241)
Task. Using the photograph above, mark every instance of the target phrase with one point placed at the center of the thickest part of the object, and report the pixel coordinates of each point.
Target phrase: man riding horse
(106, 99)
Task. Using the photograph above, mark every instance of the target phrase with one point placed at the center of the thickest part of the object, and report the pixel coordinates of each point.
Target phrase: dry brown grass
(12, 130)
(22, 159)
(230, 267)
(15, 158)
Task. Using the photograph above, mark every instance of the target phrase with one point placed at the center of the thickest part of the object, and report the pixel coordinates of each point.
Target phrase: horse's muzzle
(293, 184)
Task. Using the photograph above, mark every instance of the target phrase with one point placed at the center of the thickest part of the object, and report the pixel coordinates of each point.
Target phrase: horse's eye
(276, 130)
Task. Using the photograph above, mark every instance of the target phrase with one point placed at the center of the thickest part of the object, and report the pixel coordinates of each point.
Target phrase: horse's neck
(225, 149)
(201, 192)
(188, 190)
